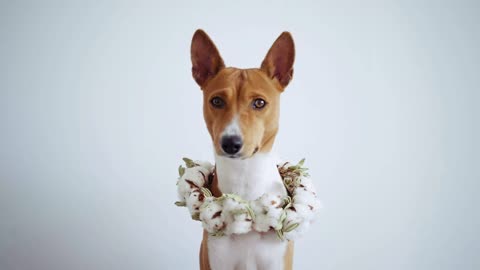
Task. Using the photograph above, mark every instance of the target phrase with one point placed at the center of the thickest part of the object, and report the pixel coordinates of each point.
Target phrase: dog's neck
(250, 178)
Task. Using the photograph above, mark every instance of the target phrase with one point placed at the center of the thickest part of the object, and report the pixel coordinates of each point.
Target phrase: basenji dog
(241, 111)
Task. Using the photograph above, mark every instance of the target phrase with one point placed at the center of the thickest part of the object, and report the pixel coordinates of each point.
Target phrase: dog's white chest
(249, 178)
(250, 251)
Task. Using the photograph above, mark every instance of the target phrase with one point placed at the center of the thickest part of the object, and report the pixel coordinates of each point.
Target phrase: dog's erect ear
(279, 60)
(206, 61)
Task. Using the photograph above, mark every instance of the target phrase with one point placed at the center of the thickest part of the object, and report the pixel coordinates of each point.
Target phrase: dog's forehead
(241, 80)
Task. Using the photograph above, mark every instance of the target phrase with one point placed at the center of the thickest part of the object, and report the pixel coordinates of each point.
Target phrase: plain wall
(98, 106)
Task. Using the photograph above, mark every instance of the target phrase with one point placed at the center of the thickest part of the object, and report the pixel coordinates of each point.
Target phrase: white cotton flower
(192, 179)
(267, 211)
(303, 211)
(210, 215)
(236, 216)
(304, 197)
(303, 214)
(304, 208)
(241, 224)
(195, 175)
(230, 214)
(298, 232)
(307, 183)
(194, 201)
(183, 189)
(205, 165)
(271, 200)
(292, 217)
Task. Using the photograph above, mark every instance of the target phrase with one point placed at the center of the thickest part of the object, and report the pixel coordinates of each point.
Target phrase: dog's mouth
(233, 156)
(239, 155)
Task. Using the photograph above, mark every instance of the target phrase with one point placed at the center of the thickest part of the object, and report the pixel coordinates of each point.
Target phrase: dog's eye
(259, 103)
(217, 102)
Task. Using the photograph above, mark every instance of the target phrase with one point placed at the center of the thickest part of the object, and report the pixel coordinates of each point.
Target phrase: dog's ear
(206, 61)
(278, 63)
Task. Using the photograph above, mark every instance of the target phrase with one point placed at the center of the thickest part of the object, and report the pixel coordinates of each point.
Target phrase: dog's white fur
(250, 178)
(233, 128)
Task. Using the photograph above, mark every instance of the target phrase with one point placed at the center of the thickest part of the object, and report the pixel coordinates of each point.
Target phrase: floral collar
(288, 216)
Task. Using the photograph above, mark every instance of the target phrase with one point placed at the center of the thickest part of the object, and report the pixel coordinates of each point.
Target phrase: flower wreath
(228, 214)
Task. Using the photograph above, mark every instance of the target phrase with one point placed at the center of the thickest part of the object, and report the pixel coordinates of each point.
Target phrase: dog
(241, 112)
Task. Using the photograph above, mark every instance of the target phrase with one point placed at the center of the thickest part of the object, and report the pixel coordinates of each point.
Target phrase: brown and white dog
(241, 110)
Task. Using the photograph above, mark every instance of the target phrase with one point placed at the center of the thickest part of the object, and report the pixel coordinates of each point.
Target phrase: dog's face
(241, 106)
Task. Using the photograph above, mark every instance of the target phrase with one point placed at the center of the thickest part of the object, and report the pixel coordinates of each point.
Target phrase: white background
(97, 107)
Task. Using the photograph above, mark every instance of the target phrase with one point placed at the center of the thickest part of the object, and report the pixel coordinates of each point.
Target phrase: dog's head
(241, 106)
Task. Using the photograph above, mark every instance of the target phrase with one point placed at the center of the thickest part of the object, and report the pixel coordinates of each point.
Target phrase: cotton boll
(184, 184)
(304, 211)
(205, 169)
(271, 219)
(231, 215)
(191, 179)
(236, 218)
(298, 232)
(194, 201)
(210, 208)
(205, 165)
(307, 198)
(183, 189)
(228, 206)
(271, 200)
(241, 224)
(308, 184)
(274, 215)
(292, 217)
(304, 197)
(303, 215)
(230, 203)
(196, 176)
(256, 206)
(267, 211)
(262, 221)
(211, 215)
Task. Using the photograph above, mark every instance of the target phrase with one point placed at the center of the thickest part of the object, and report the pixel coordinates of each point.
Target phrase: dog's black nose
(232, 144)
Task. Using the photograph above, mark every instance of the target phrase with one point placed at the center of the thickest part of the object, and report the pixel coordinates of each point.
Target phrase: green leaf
(196, 216)
(291, 227)
(283, 216)
(250, 211)
(181, 170)
(279, 234)
(181, 204)
(189, 163)
(301, 162)
(206, 192)
(278, 227)
(287, 202)
(217, 234)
